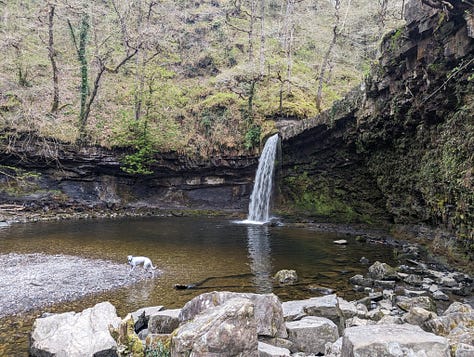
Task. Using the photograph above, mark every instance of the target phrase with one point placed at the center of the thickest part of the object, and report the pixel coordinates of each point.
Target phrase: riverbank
(33, 281)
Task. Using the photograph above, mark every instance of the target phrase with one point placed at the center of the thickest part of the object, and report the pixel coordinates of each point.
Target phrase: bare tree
(52, 58)
(325, 64)
(101, 60)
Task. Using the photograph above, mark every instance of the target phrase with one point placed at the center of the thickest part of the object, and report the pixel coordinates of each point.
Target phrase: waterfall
(259, 208)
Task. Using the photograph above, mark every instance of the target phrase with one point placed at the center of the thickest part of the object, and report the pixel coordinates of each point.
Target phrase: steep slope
(402, 146)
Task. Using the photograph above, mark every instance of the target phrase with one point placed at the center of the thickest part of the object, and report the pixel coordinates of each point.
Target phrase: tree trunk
(52, 58)
(327, 56)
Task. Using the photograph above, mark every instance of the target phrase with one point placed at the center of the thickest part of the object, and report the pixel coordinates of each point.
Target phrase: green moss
(318, 199)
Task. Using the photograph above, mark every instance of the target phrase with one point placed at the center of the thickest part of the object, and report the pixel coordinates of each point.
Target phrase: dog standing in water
(135, 261)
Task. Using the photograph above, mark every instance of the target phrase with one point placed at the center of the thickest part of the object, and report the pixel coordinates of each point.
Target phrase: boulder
(456, 323)
(286, 277)
(165, 321)
(228, 329)
(382, 271)
(392, 340)
(266, 350)
(76, 334)
(311, 333)
(419, 316)
(268, 310)
(348, 309)
(324, 306)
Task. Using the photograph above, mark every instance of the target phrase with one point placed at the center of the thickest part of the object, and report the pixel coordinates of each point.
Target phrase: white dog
(147, 264)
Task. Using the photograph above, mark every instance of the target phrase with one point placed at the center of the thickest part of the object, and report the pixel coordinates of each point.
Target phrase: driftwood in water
(199, 283)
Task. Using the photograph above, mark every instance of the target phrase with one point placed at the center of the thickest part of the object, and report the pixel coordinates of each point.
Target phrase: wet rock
(286, 277)
(311, 333)
(69, 333)
(392, 340)
(364, 260)
(320, 289)
(164, 322)
(267, 350)
(268, 310)
(228, 329)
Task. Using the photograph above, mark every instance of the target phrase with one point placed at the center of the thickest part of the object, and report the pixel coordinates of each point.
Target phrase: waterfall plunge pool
(238, 257)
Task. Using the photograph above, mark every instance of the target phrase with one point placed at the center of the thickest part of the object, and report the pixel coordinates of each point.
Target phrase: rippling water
(236, 257)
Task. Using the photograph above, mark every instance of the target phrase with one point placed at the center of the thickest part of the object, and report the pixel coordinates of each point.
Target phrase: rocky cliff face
(402, 146)
(38, 172)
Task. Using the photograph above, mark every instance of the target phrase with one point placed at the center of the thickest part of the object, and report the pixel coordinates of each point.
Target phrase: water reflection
(258, 243)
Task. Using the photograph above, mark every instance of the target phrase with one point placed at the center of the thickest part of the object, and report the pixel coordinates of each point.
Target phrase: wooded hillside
(193, 76)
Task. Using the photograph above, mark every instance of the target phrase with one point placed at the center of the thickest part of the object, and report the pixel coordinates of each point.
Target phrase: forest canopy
(191, 76)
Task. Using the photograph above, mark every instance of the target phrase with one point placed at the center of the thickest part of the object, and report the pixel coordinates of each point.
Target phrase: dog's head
(129, 257)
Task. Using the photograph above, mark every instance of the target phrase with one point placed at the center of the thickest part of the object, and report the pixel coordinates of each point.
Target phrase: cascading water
(259, 208)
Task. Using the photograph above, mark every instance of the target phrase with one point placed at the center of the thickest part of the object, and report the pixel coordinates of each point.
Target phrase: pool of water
(237, 257)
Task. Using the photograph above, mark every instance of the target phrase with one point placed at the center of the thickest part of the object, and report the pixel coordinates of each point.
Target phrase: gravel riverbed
(30, 281)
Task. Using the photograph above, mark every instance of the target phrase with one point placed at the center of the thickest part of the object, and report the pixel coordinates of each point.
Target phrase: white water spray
(259, 208)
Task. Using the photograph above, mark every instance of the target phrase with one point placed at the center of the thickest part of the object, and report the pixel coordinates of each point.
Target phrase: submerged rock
(286, 277)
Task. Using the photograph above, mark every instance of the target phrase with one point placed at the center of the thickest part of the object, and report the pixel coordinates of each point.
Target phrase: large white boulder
(76, 334)
(392, 341)
(268, 310)
(225, 330)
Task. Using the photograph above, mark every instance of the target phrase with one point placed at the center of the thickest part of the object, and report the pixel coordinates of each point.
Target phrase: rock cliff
(402, 145)
(39, 172)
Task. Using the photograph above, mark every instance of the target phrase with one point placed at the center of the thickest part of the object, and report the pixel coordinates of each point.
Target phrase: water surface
(237, 257)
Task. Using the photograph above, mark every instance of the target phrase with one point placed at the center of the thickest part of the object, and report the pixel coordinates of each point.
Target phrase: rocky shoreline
(244, 324)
